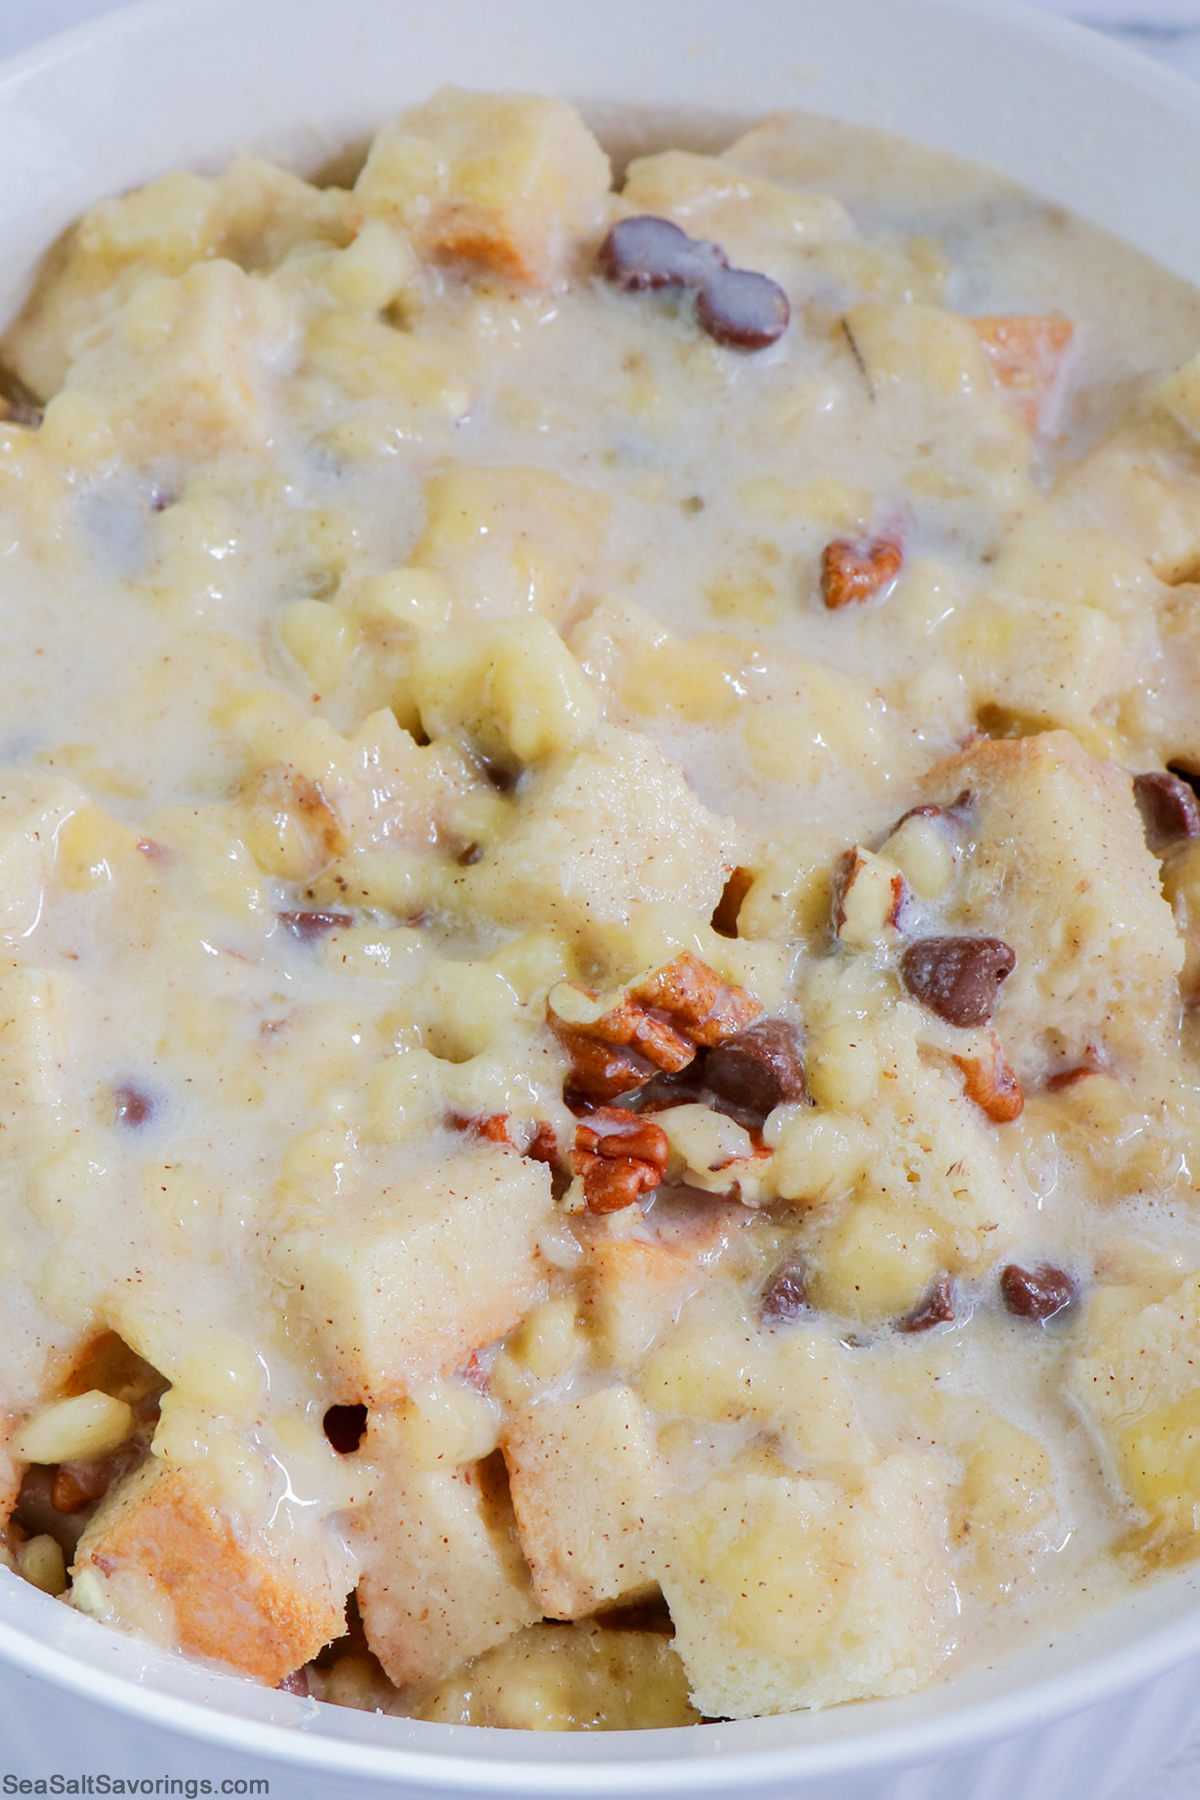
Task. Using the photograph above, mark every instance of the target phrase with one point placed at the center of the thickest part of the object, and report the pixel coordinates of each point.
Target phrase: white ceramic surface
(186, 81)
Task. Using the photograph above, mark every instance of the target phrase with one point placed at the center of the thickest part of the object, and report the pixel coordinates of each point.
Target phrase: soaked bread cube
(443, 1577)
(1059, 870)
(509, 182)
(403, 1285)
(509, 541)
(1138, 1385)
(253, 214)
(33, 809)
(162, 1556)
(182, 368)
(607, 829)
(788, 1593)
(585, 1486)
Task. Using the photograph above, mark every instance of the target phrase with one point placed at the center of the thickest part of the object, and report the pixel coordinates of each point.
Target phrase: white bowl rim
(547, 1764)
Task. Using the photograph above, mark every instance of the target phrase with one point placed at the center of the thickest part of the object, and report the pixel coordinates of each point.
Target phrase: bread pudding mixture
(600, 886)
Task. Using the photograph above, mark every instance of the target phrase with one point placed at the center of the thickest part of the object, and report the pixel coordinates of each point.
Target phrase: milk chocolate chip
(1168, 806)
(649, 252)
(759, 1069)
(309, 926)
(743, 309)
(937, 1308)
(1037, 1293)
(736, 307)
(958, 978)
(785, 1296)
(344, 1427)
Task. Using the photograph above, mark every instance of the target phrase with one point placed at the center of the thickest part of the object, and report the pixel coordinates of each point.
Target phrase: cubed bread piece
(604, 831)
(35, 1018)
(162, 1558)
(756, 222)
(402, 1285)
(182, 368)
(789, 1593)
(506, 181)
(513, 690)
(633, 1290)
(1138, 1383)
(1172, 714)
(443, 1577)
(1059, 869)
(585, 1488)
(253, 214)
(1140, 483)
(507, 541)
(33, 808)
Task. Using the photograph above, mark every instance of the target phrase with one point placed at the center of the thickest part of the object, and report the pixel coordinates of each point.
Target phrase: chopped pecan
(703, 1008)
(992, 1082)
(78, 1484)
(1094, 1061)
(612, 1186)
(868, 897)
(725, 918)
(619, 1156)
(850, 575)
(658, 1023)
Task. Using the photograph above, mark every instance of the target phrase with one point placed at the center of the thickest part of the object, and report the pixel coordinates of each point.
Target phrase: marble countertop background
(1169, 31)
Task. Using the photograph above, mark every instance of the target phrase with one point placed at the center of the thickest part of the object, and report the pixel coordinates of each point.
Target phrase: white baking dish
(184, 82)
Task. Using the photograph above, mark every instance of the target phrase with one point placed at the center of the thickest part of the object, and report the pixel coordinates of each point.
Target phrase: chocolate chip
(134, 1106)
(648, 252)
(344, 1427)
(937, 1308)
(1168, 807)
(958, 978)
(743, 309)
(757, 1070)
(785, 1296)
(309, 926)
(1037, 1293)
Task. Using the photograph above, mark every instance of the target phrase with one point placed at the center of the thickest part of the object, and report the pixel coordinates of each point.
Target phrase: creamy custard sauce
(600, 887)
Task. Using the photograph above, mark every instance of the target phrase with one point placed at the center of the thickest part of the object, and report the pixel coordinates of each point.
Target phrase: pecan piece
(656, 1024)
(1037, 1293)
(850, 575)
(619, 1156)
(1168, 807)
(78, 1484)
(958, 978)
(703, 1009)
(992, 1083)
(725, 918)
